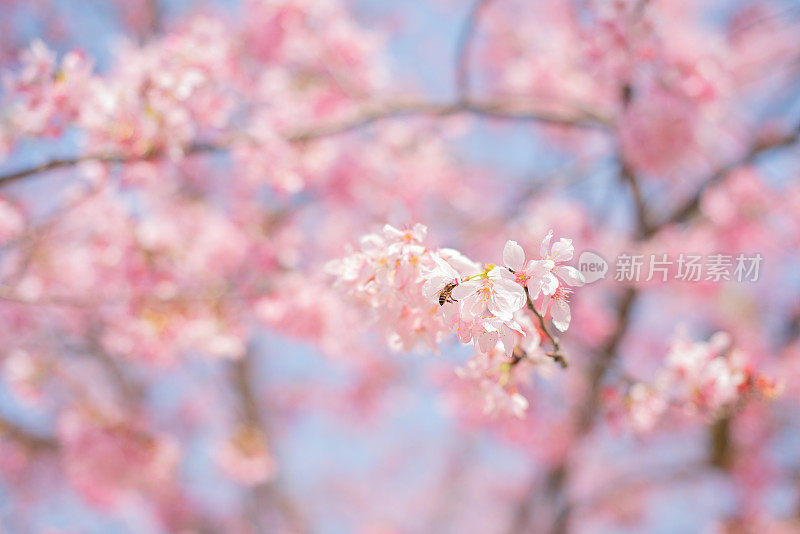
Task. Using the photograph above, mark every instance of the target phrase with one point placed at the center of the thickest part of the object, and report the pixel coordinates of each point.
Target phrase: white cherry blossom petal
(563, 250)
(570, 275)
(513, 256)
(464, 289)
(432, 287)
(560, 314)
(549, 284)
(544, 249)
(487, 341)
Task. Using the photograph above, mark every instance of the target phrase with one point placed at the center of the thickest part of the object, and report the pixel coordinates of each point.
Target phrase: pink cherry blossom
(497, 292)
(245, 457)
(496, 398)
(551, 266)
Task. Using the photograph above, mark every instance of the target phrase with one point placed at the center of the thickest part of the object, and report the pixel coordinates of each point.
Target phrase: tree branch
(514, 111)
(195, 148)
(268, 494)
(557, 477)
(556, 354)
(692, 205)
(464, 49)
(32, 442)
(642, 221)
(364, 118)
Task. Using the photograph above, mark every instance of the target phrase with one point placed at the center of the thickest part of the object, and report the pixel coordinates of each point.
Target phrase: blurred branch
(131, 391)
(453, 483)
(691, 206)
(366, 117)
(464, 49)
(54, 164)
(154, 18)
(792, 329)
(269, 494)
(557, 477)
(642, 220)
(626, 484)
(606, 356)
(721, 453)
(492, 109)
(32, 442)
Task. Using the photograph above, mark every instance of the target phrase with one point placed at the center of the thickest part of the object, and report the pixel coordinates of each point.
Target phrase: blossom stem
(556, 353)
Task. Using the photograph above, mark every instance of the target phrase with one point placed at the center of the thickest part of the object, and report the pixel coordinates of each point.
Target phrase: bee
(444, 294)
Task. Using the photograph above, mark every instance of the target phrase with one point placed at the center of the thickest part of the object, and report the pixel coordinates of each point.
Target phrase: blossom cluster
(418, 295)
(207, 83)
(44, 96)
(701, 378)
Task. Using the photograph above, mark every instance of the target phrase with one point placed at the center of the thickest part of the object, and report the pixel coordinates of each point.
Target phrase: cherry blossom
(497, 292)
(497, 399)
(245, 457)
(706, 378)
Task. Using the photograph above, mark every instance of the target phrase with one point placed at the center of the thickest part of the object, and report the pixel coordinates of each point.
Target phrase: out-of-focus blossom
(702, 378)
(245, 457)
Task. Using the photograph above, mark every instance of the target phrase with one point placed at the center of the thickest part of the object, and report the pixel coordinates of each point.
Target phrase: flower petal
(549, 284)
(459, 261)
(465, 289)
(500, 273)
(420, 231)
(391, 232)
(563, 250)
(544, 249)
(545, 304)
(560, 314)
(432, 287)
(510, 293)
(446, 269)
(570, 275)
(532, 341)
(487, 341)
(513, 256)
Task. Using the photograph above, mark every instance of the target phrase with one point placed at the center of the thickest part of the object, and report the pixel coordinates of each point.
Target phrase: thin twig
(556, 353)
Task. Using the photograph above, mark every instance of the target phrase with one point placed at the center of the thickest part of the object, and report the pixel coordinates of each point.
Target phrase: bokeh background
(176, 358)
